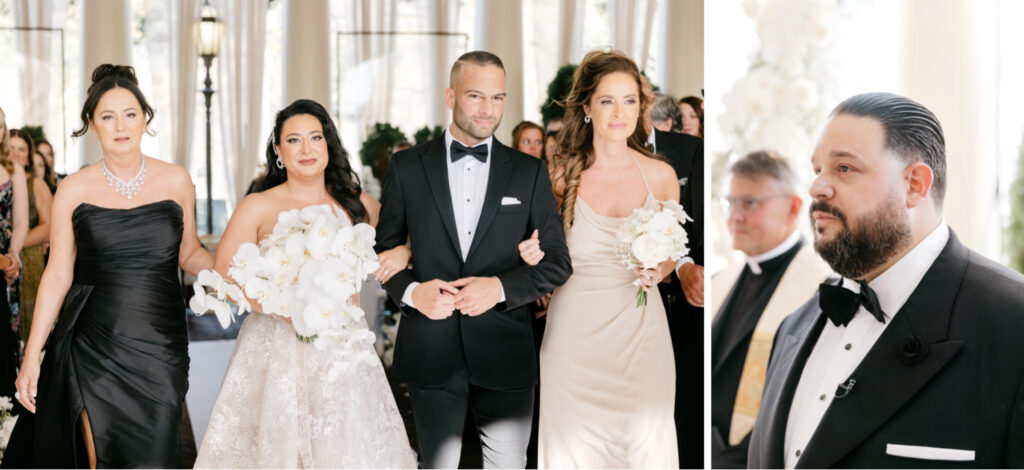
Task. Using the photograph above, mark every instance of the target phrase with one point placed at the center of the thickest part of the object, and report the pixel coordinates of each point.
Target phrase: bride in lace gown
(276, 407)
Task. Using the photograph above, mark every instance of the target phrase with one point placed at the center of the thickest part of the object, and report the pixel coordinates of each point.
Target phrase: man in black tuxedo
(915, 358)
(465, 201)
(685, 318)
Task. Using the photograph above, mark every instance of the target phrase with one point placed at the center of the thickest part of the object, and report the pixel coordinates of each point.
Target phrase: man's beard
(465, 122)
(877, 237)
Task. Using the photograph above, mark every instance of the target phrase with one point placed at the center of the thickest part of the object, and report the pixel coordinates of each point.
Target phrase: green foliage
(376, 150)
(1015, 232)
(35, 132)
(558, 90)
(426, 133)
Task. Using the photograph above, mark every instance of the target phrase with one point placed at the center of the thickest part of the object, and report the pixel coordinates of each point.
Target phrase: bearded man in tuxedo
(914, 357)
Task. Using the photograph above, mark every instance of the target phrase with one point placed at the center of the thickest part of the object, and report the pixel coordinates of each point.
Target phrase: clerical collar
(894, 286)
(448, 138)
(754, 262)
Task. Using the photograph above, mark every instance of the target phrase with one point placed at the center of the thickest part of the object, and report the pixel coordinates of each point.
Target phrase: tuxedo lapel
(891, 373)
(794, 349)
(436, 169)
(497, 182)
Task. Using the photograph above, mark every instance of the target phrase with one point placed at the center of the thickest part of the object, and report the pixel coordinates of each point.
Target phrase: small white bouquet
(648, 238)
(7, 421)
(307, 270)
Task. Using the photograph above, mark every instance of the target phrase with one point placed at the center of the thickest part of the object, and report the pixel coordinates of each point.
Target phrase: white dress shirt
(754, 262)
(467, 184)
(840, 349)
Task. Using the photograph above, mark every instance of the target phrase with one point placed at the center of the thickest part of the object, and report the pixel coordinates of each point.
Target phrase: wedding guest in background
(111, 386)
(914, 357)
(665, 114)
(684, 301)
(44, 148)
(40, 201)
(751, 298)
(550, 146)
(607, 366)
(401, 146)
(13, 228)
(554, 126)
(528, 137)
(43, 172)
(692, 109)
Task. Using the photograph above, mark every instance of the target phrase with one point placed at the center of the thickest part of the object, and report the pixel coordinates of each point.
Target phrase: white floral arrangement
(7, 421)
(791, 83)
(307, 270)
(648, 237)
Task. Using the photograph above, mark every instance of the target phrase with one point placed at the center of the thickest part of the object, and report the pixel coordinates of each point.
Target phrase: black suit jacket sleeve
(693, 203)
(524, 283)
(392, 229)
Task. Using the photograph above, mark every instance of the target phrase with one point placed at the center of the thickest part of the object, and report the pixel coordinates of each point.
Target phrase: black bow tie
(458, 151)
(841, 304)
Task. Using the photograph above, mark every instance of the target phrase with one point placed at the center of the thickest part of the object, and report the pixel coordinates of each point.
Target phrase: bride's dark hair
(342, 183)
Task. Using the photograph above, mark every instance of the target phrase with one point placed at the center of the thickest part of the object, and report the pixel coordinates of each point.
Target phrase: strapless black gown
(119, 349)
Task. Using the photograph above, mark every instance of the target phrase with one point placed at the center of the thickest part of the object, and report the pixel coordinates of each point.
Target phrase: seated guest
(665, 114)
(751, 298)
(528, 137)
(692, 109)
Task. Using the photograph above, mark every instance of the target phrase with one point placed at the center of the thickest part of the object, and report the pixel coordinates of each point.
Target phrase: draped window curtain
(240, 91)
(171, 46)
(631, 31)
(38, 60)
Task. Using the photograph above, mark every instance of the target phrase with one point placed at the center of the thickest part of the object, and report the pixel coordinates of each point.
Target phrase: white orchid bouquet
(307, 270)
(7, 421)
(649, 237)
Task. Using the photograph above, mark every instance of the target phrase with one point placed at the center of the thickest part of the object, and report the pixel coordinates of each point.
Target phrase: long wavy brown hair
(576, 139)
(5, 149)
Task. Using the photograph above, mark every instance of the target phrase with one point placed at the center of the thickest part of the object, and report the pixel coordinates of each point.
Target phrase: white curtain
(239, 88)
(39, 60)
(570, 39)
(171, 46)
(627, 35)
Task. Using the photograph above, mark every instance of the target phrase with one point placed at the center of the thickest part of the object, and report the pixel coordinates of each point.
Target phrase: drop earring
(280, 164)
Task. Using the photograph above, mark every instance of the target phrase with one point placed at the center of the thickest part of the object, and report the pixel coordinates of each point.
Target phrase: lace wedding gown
(276, 408)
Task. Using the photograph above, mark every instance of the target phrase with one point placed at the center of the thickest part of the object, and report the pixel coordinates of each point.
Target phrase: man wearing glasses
(752, 298)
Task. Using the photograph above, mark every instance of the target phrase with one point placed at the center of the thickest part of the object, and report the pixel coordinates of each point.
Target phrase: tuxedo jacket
(496, 347)
(686, 155)
(963, 390)
(681, 150)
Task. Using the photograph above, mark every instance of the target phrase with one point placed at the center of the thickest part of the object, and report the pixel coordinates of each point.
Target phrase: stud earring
(280, 164)
(586, 119)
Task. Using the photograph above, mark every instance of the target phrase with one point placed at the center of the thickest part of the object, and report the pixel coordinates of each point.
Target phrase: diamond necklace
(126, 188)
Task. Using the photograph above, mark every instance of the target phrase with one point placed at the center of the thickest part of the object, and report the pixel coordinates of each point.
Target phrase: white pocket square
(509, 201)
(930, 453)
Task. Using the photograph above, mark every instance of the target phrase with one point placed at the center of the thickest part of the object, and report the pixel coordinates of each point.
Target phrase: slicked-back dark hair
(342, 183)
(105, 77)
(475, 58)
(911, 131)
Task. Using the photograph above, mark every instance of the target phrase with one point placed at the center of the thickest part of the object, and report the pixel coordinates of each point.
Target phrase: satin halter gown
(119, 348)
(607, 371)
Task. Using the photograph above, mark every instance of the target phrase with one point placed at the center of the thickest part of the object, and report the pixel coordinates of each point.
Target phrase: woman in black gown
(109, 392)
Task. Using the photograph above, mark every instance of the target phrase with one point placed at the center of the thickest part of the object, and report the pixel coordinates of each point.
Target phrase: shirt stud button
(798, 452)
(848, 346)
(822, 397)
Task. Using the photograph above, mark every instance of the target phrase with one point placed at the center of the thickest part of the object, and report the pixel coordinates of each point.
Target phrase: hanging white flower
(307, 270)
